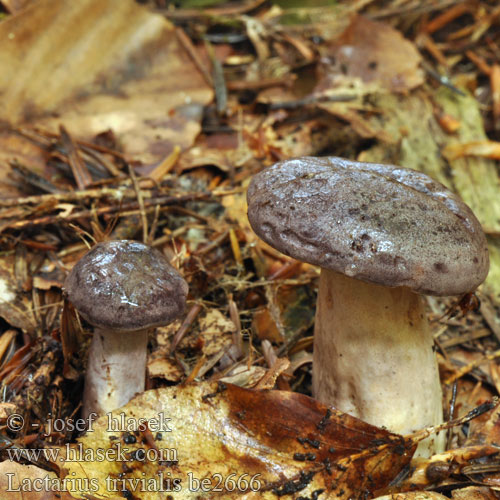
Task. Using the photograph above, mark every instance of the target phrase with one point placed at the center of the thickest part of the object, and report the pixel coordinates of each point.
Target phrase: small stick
(186, 42)
(235, 247)
(154, 225)
(495, 93)
(47, 199)
(479, 62)
(434, 429)
(188, 321)
(140, 201)
(166, 165)
(446, 17)
(471, 366)
(51, 219)
(235, 318)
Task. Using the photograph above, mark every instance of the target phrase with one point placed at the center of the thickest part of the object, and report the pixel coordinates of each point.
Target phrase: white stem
(374, 357)
(116, 370)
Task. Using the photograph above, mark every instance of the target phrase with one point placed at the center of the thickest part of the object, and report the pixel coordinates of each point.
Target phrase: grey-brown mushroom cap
(126, 286)
(379, 223)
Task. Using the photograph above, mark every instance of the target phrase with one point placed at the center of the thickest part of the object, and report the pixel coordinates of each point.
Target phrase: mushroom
(382, 236)
(123, 289)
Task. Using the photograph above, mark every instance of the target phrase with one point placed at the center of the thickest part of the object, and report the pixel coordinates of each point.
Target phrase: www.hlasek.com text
(77, 453)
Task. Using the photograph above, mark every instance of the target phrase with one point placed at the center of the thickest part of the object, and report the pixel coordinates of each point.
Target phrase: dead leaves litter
(53, 63)
(219, 440)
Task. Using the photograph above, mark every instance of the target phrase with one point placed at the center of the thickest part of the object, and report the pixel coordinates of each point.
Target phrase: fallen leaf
(474, 493)
(244, 376)
(27, 482)
(161, 366)
(414, 495)
(242, 443)
(15, 305)
(265, 327)
(484, 429)
(54, 70)
(216, 332)
(374, 52)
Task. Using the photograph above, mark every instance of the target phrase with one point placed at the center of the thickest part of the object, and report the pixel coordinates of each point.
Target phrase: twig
(154, 225)
(442, 79)
(237, 336)
(32, 178)
(446, 17)
(188, 321)
(311, 99)
(476, 412)
(52, 219)
(140, 201)
(471, 366)
(185, 41)
(219, 82)
(70, 196)
(261, 84)
(166, 165)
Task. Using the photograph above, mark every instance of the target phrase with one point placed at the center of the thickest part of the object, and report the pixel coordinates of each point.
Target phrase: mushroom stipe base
(374, 357)
(116, 370)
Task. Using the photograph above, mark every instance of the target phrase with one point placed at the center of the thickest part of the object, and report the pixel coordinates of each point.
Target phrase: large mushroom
(382, 236)
(123, 289)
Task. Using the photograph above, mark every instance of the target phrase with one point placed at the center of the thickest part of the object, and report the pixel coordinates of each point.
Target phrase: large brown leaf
(94, 66)
(277, 443)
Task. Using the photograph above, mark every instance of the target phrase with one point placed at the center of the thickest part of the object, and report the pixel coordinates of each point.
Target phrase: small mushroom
(123, 289)
(382, 236)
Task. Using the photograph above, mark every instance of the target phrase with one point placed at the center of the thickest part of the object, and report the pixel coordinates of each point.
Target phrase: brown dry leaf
(160, 362)
(94, 66)
(245, 376)
(217, 150)
(5, 410)
(162, 366)
(290, 311)
(414, 495)
(474, 493)
(374, 52)
(265, 327)
(484, 429)
(216, 331)
(275, 442)
(27, 482)
(15, 305)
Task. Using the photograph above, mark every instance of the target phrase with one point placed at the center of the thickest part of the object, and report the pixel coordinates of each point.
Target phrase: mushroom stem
(374, 357)
(116, 370)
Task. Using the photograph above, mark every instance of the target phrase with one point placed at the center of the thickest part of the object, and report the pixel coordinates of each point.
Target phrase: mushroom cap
(126, 286)
(378, 223)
